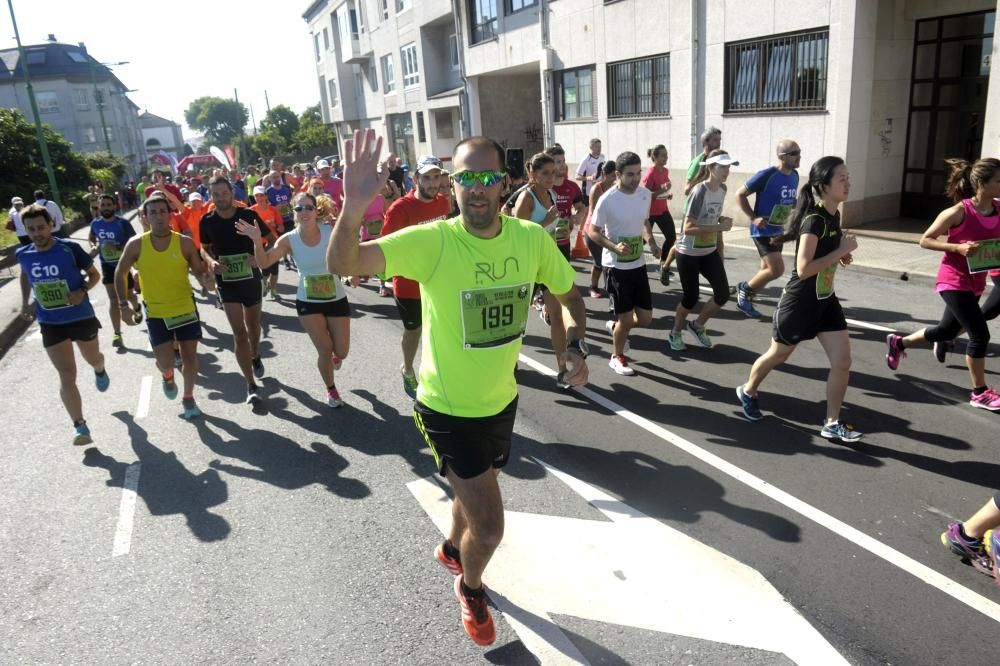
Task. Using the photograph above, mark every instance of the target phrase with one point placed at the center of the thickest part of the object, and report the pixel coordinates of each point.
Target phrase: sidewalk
(11, 324)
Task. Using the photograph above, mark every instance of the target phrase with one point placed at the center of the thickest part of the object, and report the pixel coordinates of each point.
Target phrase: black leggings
(665, 223)
(710, 266)
(991, 308)
(962, 311)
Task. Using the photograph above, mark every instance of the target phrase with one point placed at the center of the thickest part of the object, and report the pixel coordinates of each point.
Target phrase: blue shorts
(159, 333)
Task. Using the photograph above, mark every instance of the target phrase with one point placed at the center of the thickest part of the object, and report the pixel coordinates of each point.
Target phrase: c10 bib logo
(43, 271)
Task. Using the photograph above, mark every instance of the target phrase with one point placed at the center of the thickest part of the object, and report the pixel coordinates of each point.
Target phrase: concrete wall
(518, 42)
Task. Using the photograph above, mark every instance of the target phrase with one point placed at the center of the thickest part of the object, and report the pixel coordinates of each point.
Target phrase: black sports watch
(579, 346)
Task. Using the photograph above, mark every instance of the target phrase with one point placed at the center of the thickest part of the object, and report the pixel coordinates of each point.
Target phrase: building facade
(894, 87)
(161, 134)
(71, 90)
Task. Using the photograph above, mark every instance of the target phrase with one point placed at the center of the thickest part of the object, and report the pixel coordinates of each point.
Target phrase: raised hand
(363, 180)
(251, 231)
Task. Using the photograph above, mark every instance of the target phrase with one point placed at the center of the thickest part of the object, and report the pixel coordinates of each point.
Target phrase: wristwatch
(579, 346)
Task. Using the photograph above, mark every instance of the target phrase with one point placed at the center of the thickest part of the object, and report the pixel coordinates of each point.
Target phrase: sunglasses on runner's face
(484, 178)
(299, 209)
(792, 153)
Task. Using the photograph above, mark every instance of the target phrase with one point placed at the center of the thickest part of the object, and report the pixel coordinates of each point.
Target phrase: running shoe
(988, 399)
(137, 315)
(475, 614)
(274, 297)
(596, 293)
(894, 353)
(337, 362)
(972, 551)
(744, 302)
(993, 546)
(117, 341)
(253, 395)
(178, 360)
(676, 341)
(544, 316)
(258, 367)
(538, 302)
(410, 385)
(190, 409)
(665, 275)
(838, 431)
(942, 348)
(333, 398)
(620, 365)
(452, 564)
(288, 264)
(384, 291)
(82, 435)
(700, 334)
(170, 387)
(102, 380)
(218, 303)
(560, 383)
(751, 409)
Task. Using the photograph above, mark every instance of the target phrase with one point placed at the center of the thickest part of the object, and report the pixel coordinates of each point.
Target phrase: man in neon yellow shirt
(476, 273)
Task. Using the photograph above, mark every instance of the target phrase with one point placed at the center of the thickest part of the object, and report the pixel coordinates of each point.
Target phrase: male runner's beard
(479, 219)
(427, 195)
(107, 214)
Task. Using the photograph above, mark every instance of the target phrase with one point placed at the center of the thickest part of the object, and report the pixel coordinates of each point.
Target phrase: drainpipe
(545, 67)
(698, 83)
(463, 97)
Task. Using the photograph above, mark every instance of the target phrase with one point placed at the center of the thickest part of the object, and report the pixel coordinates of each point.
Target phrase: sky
(177, 55)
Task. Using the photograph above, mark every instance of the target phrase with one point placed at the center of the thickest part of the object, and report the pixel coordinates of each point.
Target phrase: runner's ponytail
(965, 178)
(820, 176)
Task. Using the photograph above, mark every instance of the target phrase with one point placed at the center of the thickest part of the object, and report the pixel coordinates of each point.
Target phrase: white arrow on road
(632, 571)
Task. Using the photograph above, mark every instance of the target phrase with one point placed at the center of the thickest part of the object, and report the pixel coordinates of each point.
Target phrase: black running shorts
(467, 446)
(629, 289)
(796, 321)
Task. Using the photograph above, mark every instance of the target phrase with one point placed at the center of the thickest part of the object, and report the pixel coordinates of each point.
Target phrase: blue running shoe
(410, 385)
(102, 381)
(170, 388)
(81, 436)
(750, 408)
(744, 300)
(971, 551)
(840, 432)
(191, 410)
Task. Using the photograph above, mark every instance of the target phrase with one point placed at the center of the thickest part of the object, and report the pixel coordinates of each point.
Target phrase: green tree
(222, 120)
(314, 135)
(283, 120)
(269, 143)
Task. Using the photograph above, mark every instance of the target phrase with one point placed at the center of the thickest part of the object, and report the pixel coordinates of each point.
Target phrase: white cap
(259, 189)
(195, 196)
(722, 160)
(322, 164)
(429, 163)
(16, 200)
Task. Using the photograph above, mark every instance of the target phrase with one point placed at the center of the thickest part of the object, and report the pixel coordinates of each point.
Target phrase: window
(80, 100)
(639, 87)
(421, 132)
(48, 102)
(388, 76)
(353, 18)
(408, 56)
(77, 57)
(403, 5)
(333, 92)
(453, 50)
(109, 133)
(518, 5)
(787, 72)
(482, 20)
(443, 125)
(90, 136)
(385, 9)
(36, 57)
(316, 47)
(326, 39)
(575, 94)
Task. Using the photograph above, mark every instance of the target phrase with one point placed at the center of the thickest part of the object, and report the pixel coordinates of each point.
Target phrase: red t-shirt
(653, 180)
(406, 212)
(567, 194)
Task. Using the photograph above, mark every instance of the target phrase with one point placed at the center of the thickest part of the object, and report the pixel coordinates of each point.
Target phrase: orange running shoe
(452, 564)
(476, 615)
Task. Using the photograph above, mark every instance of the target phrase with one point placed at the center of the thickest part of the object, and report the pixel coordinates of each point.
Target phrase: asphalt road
(295, 533)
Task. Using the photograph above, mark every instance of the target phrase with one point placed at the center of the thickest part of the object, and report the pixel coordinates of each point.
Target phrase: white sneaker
(620, 365)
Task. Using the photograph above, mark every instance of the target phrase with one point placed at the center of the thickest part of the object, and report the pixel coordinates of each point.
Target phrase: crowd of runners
(466, 253)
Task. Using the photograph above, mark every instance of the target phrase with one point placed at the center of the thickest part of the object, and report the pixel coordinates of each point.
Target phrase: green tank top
(163, 277)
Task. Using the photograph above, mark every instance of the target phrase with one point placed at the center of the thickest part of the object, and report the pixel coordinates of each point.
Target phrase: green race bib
(705, 239)
(285, 211)
(779, 215)
(111, 252)
(52, 294)
(824, 281)
(986, 257)
(494, 316)
(559, 229)
(180, 320)
(635, 244)
(236, 267)
(374, 227)
(321, 287)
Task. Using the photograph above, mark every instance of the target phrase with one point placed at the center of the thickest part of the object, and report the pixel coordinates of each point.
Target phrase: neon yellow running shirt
(475, 298)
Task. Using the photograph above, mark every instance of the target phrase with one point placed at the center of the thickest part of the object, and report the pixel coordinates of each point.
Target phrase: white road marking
(639, 572)
(924, 573)
(142, 408)
(126, 511)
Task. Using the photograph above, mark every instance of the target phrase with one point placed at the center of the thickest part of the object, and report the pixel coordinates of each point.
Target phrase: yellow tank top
(163, 277)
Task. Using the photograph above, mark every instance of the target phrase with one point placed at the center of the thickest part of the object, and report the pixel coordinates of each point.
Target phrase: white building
(892, 86)
(159, 133)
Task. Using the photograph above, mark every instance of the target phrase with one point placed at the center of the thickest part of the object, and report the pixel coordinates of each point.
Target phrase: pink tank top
(953, 275)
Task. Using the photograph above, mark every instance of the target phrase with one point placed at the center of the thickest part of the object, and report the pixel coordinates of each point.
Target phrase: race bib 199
(824, 281)
(779, 215)
(634, 250)
(180, 320)
(494, 316)
(320, 287)
(52, 294)
(110, 252)
(236, 267)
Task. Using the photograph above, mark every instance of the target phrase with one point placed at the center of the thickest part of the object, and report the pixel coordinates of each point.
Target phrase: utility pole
(236, 95)
(99, 100)
(267, 102)
(43, 146)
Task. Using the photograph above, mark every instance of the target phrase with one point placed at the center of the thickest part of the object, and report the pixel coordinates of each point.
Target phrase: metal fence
(639, 88)
(783, 73)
